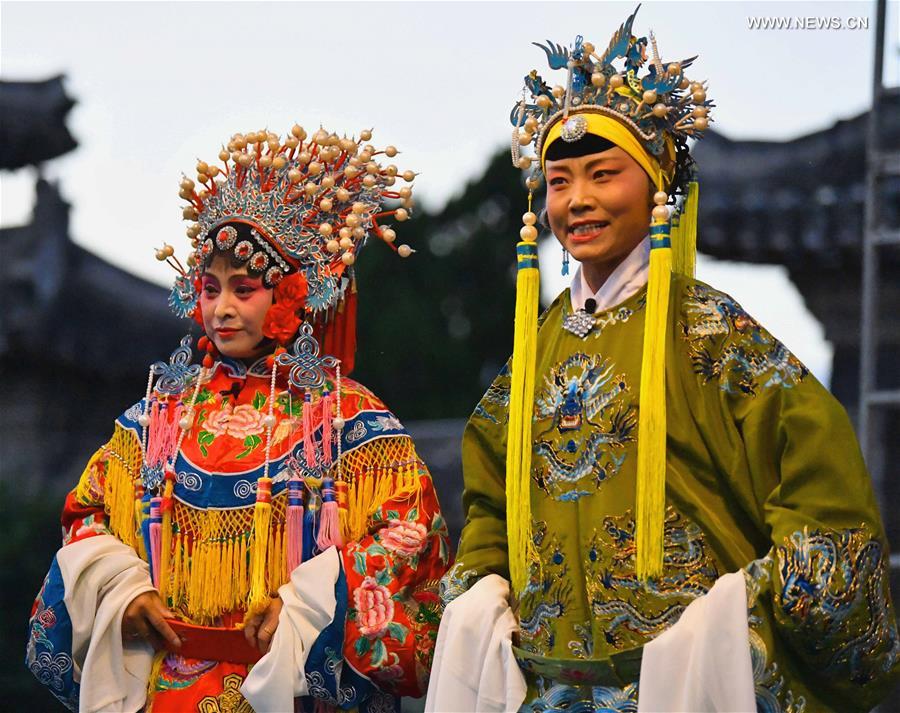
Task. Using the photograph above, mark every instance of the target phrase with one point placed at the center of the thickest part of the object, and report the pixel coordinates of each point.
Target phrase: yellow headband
(611, 129)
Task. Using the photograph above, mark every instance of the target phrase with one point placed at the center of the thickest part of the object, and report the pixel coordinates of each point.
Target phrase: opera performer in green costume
(649, 441)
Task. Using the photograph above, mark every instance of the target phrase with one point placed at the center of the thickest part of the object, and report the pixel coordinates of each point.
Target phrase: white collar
(629, 277)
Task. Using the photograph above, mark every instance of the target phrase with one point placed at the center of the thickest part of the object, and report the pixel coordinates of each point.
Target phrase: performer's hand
(260, 628)
(144, 619)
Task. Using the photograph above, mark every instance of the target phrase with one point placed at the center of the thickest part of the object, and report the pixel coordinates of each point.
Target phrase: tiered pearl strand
(269, 420)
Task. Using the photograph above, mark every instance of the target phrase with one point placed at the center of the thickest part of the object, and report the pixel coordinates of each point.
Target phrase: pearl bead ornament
(528, 233)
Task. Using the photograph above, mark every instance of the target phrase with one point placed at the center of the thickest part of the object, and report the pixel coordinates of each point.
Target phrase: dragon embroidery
(728, 346)
(582, 423)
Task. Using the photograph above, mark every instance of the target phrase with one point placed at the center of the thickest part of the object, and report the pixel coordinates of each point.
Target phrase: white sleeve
(702, 663)
(102, 576)
(308, 607)
(476, 627)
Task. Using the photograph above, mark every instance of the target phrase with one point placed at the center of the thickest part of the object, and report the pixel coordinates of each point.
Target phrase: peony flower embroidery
(216, 422)
(404, 538)
(245, 421)
(375, 608)
(238, 422)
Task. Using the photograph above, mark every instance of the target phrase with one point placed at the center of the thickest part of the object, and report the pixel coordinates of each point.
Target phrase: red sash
(211, 643)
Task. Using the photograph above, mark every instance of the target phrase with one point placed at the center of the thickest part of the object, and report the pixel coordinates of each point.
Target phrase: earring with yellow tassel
(521, 405)
(651, 457)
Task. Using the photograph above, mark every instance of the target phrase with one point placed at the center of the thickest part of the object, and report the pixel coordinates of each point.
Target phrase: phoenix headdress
(296, 211)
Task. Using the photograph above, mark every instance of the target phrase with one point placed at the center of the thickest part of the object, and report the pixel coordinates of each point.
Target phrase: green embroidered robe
(764, 474)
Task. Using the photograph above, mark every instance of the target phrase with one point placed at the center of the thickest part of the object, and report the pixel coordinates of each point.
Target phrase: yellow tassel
(229, 574)
(651, 456)
(521, 406)
(195, 572)
(243, 547)
(218, 593)
(364, 495)
(196, 586)
(175, 594)
(186, 570)
(684, 239)
(675, 237)
(360, 493)
(240, 571)
(211, 580)
(344, 517)
(123, 461)
(138, 517)
(258, 599)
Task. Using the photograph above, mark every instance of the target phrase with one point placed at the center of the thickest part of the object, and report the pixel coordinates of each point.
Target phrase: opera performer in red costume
(258, 532)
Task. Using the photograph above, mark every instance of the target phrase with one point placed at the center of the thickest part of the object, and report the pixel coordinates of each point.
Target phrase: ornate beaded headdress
(650, 117)
(661, 108)
(309, 204)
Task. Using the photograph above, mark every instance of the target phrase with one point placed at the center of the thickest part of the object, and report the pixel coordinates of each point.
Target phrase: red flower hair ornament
(288, 303)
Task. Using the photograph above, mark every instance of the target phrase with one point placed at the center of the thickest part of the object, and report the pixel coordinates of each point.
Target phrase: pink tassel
(326, 429)
(163, 432)
(330, 524)
(155, 539)
(309, 445)
(295, 523)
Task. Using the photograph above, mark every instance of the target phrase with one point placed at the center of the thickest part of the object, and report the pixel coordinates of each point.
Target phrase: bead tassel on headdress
(521, 405)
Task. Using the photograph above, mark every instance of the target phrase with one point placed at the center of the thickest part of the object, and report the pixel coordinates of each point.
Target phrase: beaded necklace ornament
(307, 471)
(650, 116)
(164, 423)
